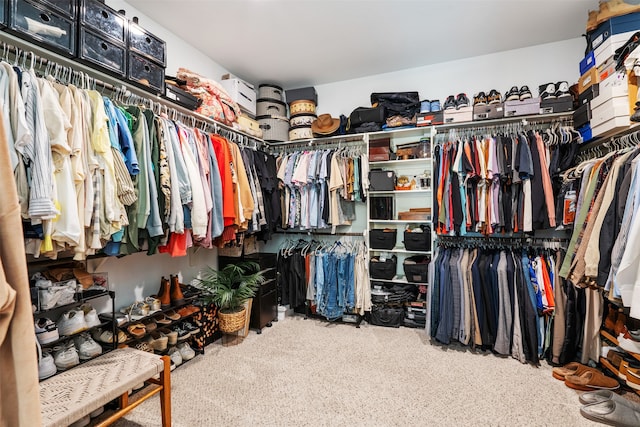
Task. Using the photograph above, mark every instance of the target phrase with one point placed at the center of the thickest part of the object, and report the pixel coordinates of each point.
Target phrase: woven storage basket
(270, 107)
(270, 91)
(274, 128)
(231, 322)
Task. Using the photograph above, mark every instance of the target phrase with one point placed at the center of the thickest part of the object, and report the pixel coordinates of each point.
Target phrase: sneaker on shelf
(562, 90)
(153, 302)
(52, 296)
(462, 101)
(187, 310)
(171, 314)
(46, 365)
(525, 93)
(46, 330)
(193, 329)
(547, 91)
(66, 356)
(158, 340)
(627, 342)
(183, 334)
(494, 97)
(175, 356)
(87, 347)
(425, 106)
(435, 106)
(480, 99)
(186, 351)
(72, 322)
(450, 103)
(512, 94)
(143, 346)
(90, 316)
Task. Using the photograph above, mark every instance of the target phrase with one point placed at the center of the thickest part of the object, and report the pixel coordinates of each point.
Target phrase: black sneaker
(450, 103)
(525, 93)
(562, 90)
(480, 99)
(512, 94)
(494, 97)
(462, 100)
(191, 328)
(547, 91)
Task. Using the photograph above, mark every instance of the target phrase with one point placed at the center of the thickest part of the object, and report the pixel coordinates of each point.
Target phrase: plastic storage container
(101, 53)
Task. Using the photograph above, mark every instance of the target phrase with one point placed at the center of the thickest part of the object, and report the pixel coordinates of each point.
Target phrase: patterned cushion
(73, 394)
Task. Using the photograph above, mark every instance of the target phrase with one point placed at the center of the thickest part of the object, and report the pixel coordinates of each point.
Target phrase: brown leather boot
(164, 295)
(610, 320)
(621, 323)
(176, 292)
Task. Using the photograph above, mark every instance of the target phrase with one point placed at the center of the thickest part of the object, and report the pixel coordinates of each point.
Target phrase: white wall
(179, 52)
(530, 66)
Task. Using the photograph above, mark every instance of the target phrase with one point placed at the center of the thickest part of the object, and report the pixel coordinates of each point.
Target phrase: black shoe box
(488, 112)
(582, 115)
(556, 105)
(431, 118)
(181, 97)
(589, 93)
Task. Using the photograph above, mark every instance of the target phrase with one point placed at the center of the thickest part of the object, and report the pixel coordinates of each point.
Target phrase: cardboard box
(614, 26)
(527, 107)
(615, 86)
(556, 105)
(488, 112)
(608, 48)
(591, 77)
(461, 115)
(429, 119)
(588, 62)
(243, 93)
(614, 110)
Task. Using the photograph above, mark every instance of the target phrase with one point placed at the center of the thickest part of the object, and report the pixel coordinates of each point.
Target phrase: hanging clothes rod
(291, 147)
(68, 71)
(320, 233)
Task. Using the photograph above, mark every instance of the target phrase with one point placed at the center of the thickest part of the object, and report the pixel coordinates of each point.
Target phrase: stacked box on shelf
(611, 109)
(102, 37)
(51, 24)
(271, 113)
(146, 61)
(243, 93)
(302, 112)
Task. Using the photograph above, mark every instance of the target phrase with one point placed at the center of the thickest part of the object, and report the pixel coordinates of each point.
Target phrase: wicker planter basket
(231, 322)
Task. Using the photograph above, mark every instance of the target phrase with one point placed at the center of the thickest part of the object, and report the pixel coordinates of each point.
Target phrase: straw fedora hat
(325, 124)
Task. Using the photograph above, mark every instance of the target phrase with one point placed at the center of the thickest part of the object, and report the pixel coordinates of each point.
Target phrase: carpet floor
(308, 372)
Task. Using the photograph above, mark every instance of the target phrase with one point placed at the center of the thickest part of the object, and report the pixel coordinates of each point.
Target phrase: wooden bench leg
(165, 393)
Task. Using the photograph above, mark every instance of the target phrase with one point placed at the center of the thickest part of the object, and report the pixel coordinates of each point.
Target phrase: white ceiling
(310, 42)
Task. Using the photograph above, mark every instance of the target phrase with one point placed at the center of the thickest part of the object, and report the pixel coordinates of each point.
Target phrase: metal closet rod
(127, 94)
(297, 146)
(317, 233)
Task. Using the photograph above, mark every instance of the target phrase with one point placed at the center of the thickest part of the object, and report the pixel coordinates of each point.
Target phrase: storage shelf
(611, 338)
(373, 193)
(400, 249)
(398, 279)
(410, 162)
(399, 221)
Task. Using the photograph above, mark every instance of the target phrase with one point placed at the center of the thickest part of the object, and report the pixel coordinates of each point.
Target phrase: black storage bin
(146, 44)
(381, 207)
(99, 52)
(382, 238)
(386, 316)
(418, 241)
(381, 180)
(383, 270)
(142, 70)
(303, 93)
(103, 20)
(45, 26)
(65, 7)
(416, 273)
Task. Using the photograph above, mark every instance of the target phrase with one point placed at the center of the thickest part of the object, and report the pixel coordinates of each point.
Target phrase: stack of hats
(302, 115)
(271, 113)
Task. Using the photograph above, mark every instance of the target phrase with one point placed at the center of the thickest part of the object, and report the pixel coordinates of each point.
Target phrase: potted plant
(229, 289)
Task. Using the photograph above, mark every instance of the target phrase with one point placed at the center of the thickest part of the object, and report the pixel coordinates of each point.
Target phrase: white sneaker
(90, 316)
(66, 356)
(52, 296)
(186, 351)
(628, 344)
(46, 330)
(72, 322)
(46, 366)
(87, 347)
(175, 356)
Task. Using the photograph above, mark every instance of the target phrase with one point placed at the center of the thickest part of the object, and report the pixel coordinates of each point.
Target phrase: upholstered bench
(73, 394)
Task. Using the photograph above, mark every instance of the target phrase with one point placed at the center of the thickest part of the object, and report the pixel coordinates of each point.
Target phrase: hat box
(271, 107)
(270, 91)
(300, 132)
(275, 129)
(302, 106)
(302, 120)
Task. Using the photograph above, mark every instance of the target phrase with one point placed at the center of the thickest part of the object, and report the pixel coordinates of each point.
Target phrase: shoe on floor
(46, 330)
(72, 322)
(186, 351)
(591, 380)
(175, 356)
(571, 368)
(597, 396)
(66, 356)
(87, 347)
(613, 413)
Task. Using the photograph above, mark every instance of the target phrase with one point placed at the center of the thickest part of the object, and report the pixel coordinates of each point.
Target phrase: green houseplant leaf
(232, 286)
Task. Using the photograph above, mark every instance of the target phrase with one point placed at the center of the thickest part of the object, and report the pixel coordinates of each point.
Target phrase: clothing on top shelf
(333, 278)
(319, 188)
(95, 175)
(500, 183)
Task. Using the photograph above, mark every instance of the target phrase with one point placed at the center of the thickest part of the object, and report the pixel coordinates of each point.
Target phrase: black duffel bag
(366, 115)
(405, 104)
(386, 316)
